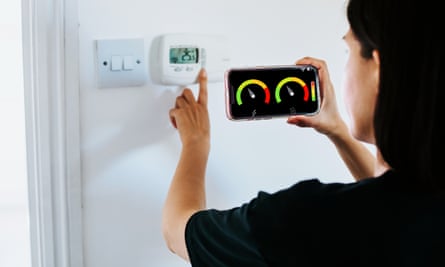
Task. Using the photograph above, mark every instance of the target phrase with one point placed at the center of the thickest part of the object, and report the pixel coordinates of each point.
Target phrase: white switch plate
(118, 52)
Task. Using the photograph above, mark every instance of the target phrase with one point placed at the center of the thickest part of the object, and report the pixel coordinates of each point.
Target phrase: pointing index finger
(202, 80)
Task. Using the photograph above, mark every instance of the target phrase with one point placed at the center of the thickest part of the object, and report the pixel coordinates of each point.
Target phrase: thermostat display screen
(184, 55)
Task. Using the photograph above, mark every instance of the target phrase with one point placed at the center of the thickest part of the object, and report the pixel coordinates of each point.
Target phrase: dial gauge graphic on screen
(252, 90)
(291, 87)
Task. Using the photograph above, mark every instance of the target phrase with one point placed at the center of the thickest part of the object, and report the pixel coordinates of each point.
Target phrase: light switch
(116, 63)
(128, 62)
(121, 63)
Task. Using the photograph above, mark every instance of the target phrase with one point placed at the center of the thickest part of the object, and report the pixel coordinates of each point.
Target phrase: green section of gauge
(246, 83)
(291, 79)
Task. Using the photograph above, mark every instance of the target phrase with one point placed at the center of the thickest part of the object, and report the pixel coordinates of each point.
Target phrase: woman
(393, 215)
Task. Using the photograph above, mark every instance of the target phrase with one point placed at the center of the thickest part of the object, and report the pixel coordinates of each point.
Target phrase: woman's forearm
(185, 196)
(357, 157)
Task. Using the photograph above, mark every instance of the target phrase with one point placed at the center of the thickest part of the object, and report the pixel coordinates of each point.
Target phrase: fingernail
(203, 73)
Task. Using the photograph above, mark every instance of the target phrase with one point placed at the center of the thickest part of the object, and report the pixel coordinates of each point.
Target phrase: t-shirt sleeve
(274, 229)
(286, 224)
(221, 238)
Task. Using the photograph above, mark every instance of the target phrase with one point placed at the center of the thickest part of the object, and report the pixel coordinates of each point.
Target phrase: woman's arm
(359, 160)
(187, 190)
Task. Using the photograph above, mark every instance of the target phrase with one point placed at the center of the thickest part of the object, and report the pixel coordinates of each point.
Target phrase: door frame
(51, 79)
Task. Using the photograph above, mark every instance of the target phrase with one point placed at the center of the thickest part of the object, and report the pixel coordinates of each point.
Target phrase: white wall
(129, 148)
(15, 247)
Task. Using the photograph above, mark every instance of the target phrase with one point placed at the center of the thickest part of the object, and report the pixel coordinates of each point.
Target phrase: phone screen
(267, 92)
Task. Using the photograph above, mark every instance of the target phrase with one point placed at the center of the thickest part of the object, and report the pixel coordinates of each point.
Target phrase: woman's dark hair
(408, 118)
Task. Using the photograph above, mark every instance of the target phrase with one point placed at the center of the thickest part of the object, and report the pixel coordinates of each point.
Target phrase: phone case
(266, 92)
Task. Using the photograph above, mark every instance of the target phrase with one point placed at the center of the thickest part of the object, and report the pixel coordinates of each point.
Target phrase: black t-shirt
(381, 221)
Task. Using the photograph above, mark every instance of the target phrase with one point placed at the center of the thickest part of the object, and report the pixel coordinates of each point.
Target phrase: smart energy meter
(181, 56)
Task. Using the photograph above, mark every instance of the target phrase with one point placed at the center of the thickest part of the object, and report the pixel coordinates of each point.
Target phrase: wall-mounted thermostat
(179, 57)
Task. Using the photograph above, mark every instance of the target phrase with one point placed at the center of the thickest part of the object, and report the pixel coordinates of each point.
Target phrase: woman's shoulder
(320, 218)
(314, 189)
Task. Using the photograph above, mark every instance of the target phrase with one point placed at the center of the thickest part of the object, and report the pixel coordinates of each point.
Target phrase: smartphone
(271, 91)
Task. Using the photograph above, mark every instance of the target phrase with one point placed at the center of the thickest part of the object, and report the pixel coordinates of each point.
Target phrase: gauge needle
(289, 90)
(252, 95)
